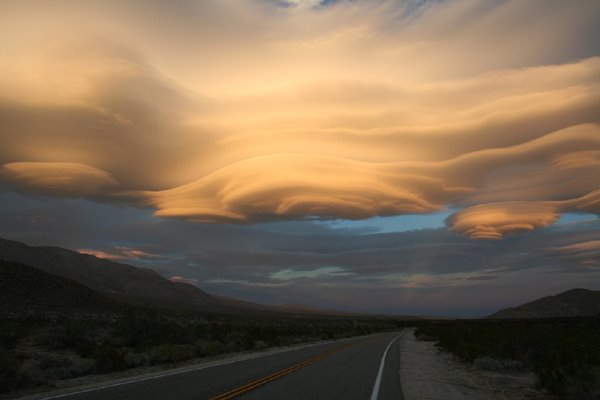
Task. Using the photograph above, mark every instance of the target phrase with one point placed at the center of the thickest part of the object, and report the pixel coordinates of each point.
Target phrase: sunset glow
(226, 118)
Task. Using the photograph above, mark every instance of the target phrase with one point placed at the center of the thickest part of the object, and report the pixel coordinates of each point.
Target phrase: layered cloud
(252, 111)
(60, 178)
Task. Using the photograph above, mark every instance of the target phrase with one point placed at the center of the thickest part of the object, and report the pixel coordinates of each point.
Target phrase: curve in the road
(320, 371)
(375, 392)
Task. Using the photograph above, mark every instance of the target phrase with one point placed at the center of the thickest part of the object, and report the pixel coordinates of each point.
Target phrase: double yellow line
(259, 382)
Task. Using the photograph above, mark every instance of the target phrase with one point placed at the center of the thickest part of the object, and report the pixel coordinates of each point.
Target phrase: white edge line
(375, 392)
(208, 365)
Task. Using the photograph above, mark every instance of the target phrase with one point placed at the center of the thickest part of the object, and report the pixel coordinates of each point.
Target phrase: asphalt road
(346, 370)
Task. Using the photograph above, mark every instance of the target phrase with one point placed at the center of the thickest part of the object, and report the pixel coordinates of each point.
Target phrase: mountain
(133, 285)
(25, 288)
(115, 280)
(572, 303)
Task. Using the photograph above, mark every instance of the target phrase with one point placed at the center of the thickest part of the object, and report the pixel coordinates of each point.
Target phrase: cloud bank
(253, 111)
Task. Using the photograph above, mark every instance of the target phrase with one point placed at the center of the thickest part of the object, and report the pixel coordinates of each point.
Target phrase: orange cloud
(292, 186)
(181, 279)
(350, 111)
(61, 178)
(122, 253)
(102, 254)
(493, 221)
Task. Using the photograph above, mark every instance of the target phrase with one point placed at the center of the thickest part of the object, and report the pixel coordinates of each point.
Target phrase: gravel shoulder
(429, 374)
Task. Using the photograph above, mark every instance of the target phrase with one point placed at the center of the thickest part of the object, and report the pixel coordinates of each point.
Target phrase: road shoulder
(428, 374)
(93, 382)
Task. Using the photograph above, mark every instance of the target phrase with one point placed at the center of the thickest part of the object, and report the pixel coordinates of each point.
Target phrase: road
(349, 369)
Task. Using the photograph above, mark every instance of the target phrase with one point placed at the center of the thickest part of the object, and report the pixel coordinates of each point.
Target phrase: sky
(423, 157)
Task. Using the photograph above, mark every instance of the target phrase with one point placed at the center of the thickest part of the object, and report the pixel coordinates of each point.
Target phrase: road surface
(349, 369)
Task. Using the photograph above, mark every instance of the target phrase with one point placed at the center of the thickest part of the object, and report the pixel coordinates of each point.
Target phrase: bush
(149, 330)
(513, 365)
(9, 335)
(135, 360)
(260, 345)
(207, 348)
(10, 378)
(108, 359)
(488, 364)
(170, 353)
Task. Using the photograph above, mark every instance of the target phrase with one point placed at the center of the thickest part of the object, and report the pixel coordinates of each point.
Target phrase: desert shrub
(207, 348)
(134, 360)
(73, 335)
(10, 334)
(108, 358)
(488, 364)
(260, 345)
(513, 365)
(144, 331)
(32, 374)
(82, 366)
(50, 361)
(171, 353)
(234, 341)
(39, 368)
(10, 378)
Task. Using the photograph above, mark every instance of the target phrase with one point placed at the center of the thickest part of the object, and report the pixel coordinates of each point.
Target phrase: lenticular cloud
(348, 110)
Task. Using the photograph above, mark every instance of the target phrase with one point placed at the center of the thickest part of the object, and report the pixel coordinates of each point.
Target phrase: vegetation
(564, 353)
(41, 348)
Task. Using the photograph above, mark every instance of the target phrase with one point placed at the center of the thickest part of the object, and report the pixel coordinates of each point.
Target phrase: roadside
(428, 374)
(90, 382)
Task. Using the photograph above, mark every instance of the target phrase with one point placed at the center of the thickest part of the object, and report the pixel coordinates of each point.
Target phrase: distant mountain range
(572, 303)
(33, 277)
(71, 275)
(115, 280)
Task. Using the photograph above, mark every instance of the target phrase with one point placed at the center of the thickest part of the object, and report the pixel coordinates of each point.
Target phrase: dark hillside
(572, 303)
(120, 281)
(25, 288)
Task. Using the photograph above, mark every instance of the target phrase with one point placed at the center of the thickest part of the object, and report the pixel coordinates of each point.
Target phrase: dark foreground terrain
(346, 369)
(67, 315)
(564, 353)
(41, 350)
(63, 319)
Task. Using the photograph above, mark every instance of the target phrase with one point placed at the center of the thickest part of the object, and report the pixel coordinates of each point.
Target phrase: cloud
(327, 110)
(123, 253)
(102, 254)
(581, 246)
(138, 254)
(61, 178)
(413, 272)
(492, 221)
(181, 279)
(293, 186)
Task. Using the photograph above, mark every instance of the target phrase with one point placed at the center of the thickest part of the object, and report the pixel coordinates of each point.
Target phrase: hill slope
(25, 288)
(572, 303)
(116, 280)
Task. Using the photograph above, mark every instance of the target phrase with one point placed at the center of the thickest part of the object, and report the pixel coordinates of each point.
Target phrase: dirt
(426, 373)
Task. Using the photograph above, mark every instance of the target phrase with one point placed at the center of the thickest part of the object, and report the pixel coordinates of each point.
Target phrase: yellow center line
(259, 382)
